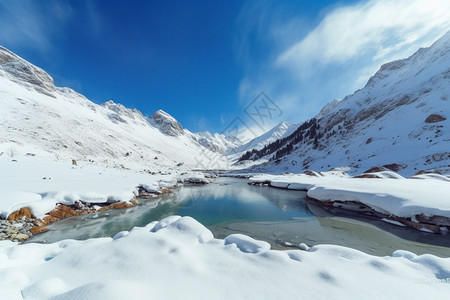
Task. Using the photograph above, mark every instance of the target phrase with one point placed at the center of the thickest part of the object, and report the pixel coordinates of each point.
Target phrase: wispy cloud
(378, 27)
(32, 24)
(339, 53)
(38, 24)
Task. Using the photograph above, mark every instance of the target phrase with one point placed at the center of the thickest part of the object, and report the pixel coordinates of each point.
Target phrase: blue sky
(205, 61)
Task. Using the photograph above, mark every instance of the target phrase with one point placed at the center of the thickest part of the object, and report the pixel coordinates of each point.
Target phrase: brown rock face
(38, 229)
(311, 173)
(395, 167)
(375, 170)
(118, 205)
(391, 167)
(427, 172)
(24, 212)
(434, 118)
(62, 211)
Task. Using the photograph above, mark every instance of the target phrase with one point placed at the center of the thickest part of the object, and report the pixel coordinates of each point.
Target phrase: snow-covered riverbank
(417, 200)
(179, 258)
(148, 262)
(41, 184)
(38, 192)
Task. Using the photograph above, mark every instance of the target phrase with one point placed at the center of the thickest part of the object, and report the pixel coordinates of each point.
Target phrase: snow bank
(169, 260)
(193, 177)
(40, 185)
(390, 195)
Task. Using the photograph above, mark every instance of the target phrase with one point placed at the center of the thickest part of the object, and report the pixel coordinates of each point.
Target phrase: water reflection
(278, 216)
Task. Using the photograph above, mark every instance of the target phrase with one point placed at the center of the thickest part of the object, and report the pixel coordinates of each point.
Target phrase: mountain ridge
(58, 123)
(379, 124)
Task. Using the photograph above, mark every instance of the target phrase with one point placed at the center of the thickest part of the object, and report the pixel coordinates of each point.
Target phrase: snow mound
(171, 263)
(246, 244)
(183, 226)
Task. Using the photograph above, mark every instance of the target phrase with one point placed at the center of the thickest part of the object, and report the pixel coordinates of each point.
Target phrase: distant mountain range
(48, 122)
(398, 121)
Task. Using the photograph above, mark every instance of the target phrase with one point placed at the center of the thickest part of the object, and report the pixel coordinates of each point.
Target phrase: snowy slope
(401, 116)
(59, 124)
(279, 131)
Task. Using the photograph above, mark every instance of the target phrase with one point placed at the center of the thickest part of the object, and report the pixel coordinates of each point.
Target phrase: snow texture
(41, 185)
(178, 258)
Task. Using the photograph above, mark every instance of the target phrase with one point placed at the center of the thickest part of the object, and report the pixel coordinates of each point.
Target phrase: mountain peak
(166, 123)
(20, 71)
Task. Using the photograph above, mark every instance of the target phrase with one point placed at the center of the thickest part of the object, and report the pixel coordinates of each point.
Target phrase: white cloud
(340, 52)
(381, 27)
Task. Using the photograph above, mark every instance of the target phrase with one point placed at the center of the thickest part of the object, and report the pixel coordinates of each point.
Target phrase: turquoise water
(238, 202)
(278, 216)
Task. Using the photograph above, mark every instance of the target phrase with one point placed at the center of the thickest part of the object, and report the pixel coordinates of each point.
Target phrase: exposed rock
(24, 73)
(119, 205)
(395, 167)
(24, 212)
(416, 225)
(421, 172)
(375, 169)
(166, 123)
(38, 229)
(435, 118)
(21, 236)
(390, 167)
(437, 220)
(432, 224)
(311, 173)
(195, 180)
(367, 175)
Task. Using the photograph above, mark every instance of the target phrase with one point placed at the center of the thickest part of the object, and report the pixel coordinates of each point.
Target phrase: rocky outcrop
(388, 167)
(24, 73)
(433, 224)
(435, 118)
(23, 213)
(167, 124)
(16, 231)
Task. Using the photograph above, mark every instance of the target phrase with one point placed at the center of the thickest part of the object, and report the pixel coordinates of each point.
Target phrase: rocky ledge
(21, 224)
(421, 222)
(16, 231)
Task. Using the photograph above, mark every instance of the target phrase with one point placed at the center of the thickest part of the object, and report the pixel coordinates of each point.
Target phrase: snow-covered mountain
(42, 120)
(400, 119)
(279, 131)
(217, 142)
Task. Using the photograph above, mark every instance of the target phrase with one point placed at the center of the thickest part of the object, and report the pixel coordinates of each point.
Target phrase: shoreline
(30, 226)
(435, 224)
